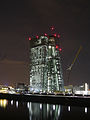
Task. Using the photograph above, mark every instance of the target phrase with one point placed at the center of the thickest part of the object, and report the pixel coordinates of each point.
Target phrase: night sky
(21, 18)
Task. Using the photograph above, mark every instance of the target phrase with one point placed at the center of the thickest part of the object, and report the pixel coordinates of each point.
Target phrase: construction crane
(70, 67)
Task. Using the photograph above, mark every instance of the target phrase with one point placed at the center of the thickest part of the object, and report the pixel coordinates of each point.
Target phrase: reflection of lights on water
(51, 112)
(28, 104)
(69, 108)
(53, 107)
(40, 106)
(30, 118)
(59, 110)
(47, 107)
(17, 104)
(11, 102)
(85, 109)
(3, 103)
(43, 111)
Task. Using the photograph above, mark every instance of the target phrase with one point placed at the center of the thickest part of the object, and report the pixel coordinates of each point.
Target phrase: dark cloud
(12, 73)
(6, 61)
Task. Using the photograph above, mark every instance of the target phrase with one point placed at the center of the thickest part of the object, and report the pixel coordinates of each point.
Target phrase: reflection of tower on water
(39, 111)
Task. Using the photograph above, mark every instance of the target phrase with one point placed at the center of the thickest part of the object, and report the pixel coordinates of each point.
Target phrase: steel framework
(45, 65)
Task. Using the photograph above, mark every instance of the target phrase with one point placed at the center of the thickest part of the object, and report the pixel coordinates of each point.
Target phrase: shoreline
(50, 99)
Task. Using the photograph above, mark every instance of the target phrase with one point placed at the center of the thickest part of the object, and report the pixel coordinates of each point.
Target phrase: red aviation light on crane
(29, 38)
(56, 46)
(37, 36)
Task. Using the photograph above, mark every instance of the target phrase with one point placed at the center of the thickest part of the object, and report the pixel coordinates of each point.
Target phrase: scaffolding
(45, 65)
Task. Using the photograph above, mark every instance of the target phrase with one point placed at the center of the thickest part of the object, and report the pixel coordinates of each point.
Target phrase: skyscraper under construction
(45, 65)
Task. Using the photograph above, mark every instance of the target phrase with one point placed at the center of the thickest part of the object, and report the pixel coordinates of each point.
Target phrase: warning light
(45, 34)
(37, 36)
(56, 46)
(52, 28)
(60, 49)
(58, 36)
(29, 38)
(55, 35)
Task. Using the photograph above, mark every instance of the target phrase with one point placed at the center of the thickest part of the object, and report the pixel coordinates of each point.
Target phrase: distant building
(21, 87)
(69, 89)
(43, 111)
(45, 65)
(82, 89)
(7, 89)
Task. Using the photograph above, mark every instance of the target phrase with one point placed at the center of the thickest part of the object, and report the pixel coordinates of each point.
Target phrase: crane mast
(70, 67)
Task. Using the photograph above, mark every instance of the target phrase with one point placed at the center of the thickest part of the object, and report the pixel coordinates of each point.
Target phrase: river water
(15, 110)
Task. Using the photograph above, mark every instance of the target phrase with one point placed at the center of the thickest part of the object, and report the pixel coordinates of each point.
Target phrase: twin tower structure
(45, 65)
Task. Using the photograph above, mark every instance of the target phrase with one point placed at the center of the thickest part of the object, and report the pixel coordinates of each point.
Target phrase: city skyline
(19, 18)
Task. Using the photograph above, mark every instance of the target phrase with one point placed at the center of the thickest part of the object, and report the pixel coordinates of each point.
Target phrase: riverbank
(51, 99)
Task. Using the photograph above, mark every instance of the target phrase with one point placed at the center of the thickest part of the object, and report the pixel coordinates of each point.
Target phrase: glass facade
(45, 65)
